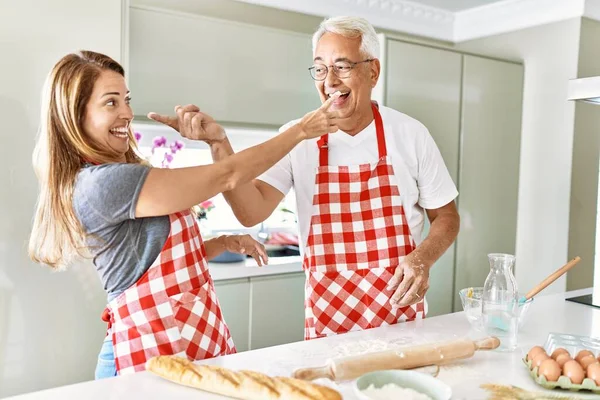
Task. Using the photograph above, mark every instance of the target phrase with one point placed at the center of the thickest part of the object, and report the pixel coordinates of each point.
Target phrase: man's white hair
(351, 27)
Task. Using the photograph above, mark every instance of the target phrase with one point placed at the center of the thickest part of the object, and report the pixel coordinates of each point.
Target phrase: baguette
(244, 385)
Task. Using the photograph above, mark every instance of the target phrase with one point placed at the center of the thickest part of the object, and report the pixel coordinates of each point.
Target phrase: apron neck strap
(322, 143)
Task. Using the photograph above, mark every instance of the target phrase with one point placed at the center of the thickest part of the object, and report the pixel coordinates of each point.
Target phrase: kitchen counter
(248, 268)
(547, 314)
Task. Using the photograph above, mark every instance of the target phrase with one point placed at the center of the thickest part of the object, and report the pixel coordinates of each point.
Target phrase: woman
(99, 199)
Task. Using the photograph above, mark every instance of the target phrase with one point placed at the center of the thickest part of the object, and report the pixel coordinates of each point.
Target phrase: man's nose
(331, 80)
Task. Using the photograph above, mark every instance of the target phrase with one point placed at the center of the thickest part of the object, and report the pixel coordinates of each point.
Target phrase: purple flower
(176, 146)
(159, 141)
(167, 160)
(137, 136)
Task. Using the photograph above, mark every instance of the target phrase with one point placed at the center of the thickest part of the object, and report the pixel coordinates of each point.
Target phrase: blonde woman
(98, 199)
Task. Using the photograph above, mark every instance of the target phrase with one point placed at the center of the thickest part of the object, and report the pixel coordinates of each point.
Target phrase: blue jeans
(106, 366)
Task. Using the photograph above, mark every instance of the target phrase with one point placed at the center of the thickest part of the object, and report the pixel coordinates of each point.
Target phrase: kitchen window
(221, 217)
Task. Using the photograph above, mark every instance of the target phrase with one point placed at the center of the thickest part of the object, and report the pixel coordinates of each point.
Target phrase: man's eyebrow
(346, 59)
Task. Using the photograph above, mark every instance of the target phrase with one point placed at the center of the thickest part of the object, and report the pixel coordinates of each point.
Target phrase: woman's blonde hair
(62, 146)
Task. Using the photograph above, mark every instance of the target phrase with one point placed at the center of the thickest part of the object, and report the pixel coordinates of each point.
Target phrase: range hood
(585, 89)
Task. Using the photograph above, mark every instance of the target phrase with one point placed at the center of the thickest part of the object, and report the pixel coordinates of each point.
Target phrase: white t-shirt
(422, 176)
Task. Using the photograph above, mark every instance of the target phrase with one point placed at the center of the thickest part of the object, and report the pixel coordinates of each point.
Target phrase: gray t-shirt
(123, 247)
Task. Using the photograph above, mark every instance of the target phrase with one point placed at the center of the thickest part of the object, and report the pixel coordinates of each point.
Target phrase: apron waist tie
(106, 317)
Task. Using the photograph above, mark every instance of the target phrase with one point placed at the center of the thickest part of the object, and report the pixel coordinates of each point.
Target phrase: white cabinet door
(424, 83)
(277, 310)
(489, 170)
(235, 72)
(234, 298)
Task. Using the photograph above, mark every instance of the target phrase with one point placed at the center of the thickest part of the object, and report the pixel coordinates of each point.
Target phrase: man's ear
(375, 71)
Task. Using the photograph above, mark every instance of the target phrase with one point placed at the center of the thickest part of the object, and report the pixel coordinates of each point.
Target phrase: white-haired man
(361, 193)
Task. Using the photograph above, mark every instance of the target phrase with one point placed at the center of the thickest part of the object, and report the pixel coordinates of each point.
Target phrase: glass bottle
(500, 308)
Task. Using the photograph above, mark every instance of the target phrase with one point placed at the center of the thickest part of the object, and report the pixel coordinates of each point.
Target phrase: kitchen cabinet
(425, 83)
(238, 73)
(277, 310)
(489, 166)
(472, 107)
(234, 298)
(263, 311)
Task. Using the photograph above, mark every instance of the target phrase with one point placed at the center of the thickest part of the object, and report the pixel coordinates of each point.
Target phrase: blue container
(228, 257)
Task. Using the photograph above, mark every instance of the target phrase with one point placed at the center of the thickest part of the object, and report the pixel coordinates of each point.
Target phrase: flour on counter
(358, 347)
(392, 391)
(457, 374)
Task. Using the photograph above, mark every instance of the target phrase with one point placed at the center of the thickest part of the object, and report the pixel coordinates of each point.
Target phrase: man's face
(334, 49)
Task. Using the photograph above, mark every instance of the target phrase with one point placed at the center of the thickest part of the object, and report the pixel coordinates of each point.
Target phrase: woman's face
(108, 114)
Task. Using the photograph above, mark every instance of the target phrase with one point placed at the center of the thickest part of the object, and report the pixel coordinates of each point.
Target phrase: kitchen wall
(239, 11)
(586, 160)
(550, 53)
(50, 328)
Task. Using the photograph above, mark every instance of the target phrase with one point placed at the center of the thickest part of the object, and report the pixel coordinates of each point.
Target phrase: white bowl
(420, 382)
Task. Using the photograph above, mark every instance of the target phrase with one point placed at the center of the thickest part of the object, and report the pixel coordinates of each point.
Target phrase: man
(362, 193)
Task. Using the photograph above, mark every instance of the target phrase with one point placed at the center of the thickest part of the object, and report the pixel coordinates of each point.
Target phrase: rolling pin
(352, 367)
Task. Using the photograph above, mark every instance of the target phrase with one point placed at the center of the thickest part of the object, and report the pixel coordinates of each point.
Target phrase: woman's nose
(127, 113)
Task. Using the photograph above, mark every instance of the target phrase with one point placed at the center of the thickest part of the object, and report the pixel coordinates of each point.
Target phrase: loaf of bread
(244, 385)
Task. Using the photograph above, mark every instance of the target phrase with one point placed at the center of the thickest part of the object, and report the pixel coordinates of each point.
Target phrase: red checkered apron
(172, 308)
(358, 236)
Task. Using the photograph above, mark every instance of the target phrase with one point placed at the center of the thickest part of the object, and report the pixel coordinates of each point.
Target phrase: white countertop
(546, 314)
(248, 268)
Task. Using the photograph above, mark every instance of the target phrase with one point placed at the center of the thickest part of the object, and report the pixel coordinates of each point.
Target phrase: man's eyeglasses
(341, 69)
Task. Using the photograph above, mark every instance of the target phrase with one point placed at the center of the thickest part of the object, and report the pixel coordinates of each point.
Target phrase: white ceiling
(455, 5)
(447, 20)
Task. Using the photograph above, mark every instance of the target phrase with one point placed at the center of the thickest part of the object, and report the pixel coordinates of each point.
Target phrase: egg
(572, 369)
(558, 352)
(535, 350)
(583, 354)
(562, 359)
(593, 372)
(550, 369)
(539, 358)
(586, 361)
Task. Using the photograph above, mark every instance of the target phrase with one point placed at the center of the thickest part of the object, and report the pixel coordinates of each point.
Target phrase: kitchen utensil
(546, 282)
(471, 302)
(417, 381)
(351, 367)
(228, 257)
(501, 325)
(499, 305)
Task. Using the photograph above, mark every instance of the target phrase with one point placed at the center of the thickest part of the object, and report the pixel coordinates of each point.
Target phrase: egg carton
(572, 343)
(563, 382)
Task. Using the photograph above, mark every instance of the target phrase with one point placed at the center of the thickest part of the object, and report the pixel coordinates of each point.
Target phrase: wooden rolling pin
(352, 367)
